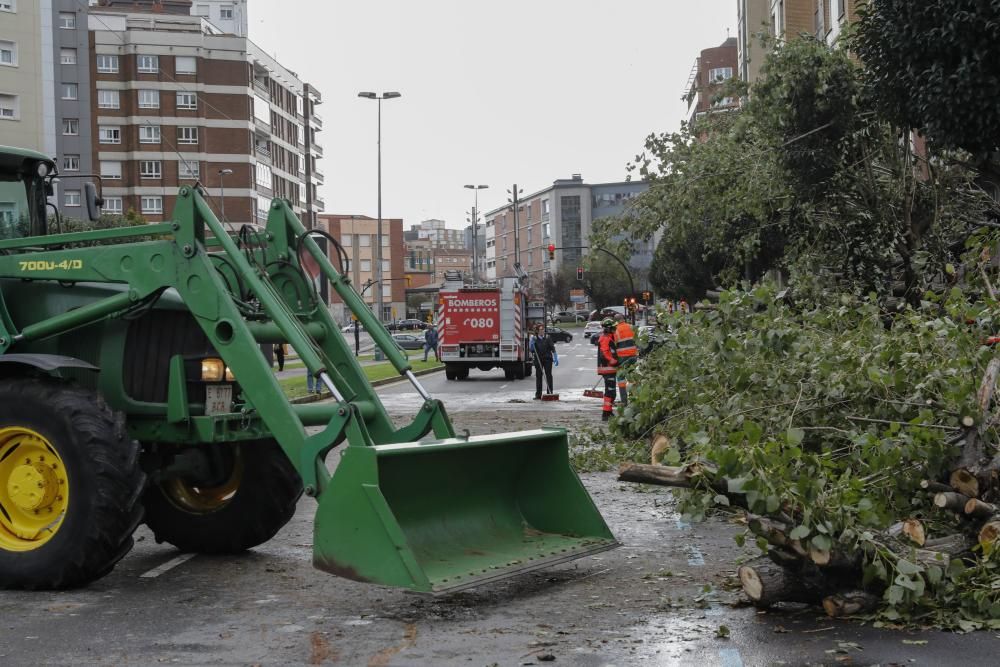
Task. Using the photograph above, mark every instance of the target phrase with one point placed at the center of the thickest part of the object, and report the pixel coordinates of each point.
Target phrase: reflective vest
(625, 340)
(607, 358)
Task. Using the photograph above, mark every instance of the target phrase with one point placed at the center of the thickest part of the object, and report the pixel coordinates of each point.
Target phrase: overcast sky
(493, 92)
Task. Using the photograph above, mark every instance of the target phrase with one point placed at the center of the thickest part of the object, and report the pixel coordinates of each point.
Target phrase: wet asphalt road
(658, 600)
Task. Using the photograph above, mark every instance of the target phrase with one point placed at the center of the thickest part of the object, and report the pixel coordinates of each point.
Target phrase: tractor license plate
(218, 399)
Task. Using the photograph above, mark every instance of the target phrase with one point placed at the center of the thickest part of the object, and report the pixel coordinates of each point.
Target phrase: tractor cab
(26, 183)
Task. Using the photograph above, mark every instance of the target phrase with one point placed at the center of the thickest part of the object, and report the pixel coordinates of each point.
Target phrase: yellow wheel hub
(34, 489)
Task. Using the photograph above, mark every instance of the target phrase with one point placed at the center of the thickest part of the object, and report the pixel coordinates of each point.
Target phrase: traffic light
(579, 273)
(646, 296)
(552, 251)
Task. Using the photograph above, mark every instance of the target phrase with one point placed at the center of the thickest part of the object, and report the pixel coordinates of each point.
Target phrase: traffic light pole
(631, 283)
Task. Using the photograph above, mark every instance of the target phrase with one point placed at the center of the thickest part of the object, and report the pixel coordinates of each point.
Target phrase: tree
(935, 67)
(558, 286)
(606, 282)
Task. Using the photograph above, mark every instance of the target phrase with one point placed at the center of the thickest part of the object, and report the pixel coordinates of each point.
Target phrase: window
(148, 64)
(70, 91)
(71, 163)
(152, 204)
(186, 65)
(112, 170)
(149, 99)
(149, 134)
(67, 56)
(189, 169)
(226, 12)
(8, 53)
(263, 175)
(720, 74)
(8, 5)
(187, 135)
(112, 205)
(107, 64)
(346, 240)
(71, 127)
(385, 266)
(385, 240)
(8, 107)
(150, 169)
(108, 99)
(364, 240)
(71, 198)
(201, 10)
(109, 134)
(724, 102)
(366, 265)
(67, 21)
(187, 101)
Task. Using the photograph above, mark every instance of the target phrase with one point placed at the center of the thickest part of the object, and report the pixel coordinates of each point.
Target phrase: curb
(375, 383)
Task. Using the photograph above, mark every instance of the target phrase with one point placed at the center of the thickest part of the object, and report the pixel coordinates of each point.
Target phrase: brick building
(358, 235)
(711, 70)
(178, 101)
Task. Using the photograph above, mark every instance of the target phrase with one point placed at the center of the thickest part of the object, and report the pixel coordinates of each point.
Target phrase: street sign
(577, 296)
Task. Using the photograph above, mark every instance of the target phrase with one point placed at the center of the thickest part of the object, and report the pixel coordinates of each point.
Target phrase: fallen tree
(861, 446)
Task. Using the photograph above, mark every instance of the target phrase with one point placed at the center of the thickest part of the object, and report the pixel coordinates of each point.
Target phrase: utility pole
(475, 230)
(514, 200)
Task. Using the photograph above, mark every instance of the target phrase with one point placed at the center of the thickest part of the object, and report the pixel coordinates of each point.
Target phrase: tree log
(951, 501)
(849, 604)
(775, 532)
(978, 509)
(914, 530)
(935, 487)
(989, 533)
(964, 481)
(928, 557)
(952, 545)
(677, 476)
(766, 584)
(660, 444)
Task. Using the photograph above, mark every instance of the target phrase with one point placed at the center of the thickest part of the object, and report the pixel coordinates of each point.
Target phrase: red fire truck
(484, 328)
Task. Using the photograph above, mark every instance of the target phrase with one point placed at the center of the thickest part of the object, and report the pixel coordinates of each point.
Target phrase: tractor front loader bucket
(443, 515)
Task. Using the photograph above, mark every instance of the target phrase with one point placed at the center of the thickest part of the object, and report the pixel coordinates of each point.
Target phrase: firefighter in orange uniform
(607, 365)
(627, 353)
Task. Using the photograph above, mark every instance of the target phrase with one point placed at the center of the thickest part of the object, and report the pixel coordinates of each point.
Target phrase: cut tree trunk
(660, 445)
(979, 510)
(766, 584)
(964, 481)
(964, 476)
(953, 545)
(775, 532)
(914, 530)
(990, 531)
(849, 604)
(676, 476)
(935, 487)
(951, 501)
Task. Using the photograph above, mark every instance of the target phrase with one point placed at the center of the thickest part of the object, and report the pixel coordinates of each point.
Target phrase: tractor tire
(70, 485)
(254, 502)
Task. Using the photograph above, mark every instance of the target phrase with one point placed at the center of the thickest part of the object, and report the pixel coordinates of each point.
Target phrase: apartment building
(437, 234)
(229, 16)
(562, 215)
(830, 17)
(713, 67)
(754, 22)
(358, 235)
(449, 259)
(26, 64)
(178, 101)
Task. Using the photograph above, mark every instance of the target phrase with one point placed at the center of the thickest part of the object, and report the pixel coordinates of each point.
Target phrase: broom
(593, 392)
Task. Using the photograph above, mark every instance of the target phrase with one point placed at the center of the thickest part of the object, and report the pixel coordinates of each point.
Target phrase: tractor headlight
(43, 170)
(212, 370)
(229, 375)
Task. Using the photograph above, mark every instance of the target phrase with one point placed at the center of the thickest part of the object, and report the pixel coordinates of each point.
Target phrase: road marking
(582, 369)
(694, 556)
(730, 657)
(170, 564)
(503, 386)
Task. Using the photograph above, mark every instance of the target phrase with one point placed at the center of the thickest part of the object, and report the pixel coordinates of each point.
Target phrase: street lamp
(378, 252)
(222, 186)
(475, 231)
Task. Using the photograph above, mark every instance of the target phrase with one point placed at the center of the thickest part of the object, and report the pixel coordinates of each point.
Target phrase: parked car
(568, 316)
(592, 329)
(349, 328)
(559, 335)
(410, 325)
(409, 341)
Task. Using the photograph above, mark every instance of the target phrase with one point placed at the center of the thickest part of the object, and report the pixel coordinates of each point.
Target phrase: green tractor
(133, 388)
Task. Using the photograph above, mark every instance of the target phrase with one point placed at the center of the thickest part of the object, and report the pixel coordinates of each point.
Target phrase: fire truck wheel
(463, 374)
(508, 373)
(519, 371)
(449, 374)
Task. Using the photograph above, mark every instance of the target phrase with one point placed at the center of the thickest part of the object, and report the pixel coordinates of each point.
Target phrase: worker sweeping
(607, 365)
(627, 353)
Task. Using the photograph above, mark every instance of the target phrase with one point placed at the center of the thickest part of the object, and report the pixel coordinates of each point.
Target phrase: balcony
(263, 153)
(318, 176)
(316, 119)
(316, 150)
(319, 204)
(261, 87)
(261, 127)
